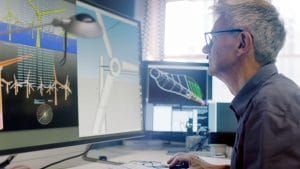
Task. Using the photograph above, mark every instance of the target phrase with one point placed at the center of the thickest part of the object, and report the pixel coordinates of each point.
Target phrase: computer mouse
(180, 165)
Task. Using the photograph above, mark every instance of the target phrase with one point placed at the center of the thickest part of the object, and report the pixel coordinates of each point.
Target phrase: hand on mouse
(193, 161)
(180, 165)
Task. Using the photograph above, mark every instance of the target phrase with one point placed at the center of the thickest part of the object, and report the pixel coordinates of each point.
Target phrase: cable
(68, 158)
(20, 167)
(7, 161)
(63, 60)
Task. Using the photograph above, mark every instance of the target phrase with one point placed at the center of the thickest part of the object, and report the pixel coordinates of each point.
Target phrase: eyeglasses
(209, 35)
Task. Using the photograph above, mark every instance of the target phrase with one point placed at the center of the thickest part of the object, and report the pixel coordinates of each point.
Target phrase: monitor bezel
(87, 140)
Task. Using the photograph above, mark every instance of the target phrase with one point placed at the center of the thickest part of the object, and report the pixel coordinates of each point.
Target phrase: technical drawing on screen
(109, 96)
(176, 95)
(178, 83)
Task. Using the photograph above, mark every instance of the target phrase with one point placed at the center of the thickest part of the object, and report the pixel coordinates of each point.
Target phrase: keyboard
(139, 166)
(129, 165)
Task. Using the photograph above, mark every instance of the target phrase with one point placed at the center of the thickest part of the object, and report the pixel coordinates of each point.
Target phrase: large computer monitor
(94, 97)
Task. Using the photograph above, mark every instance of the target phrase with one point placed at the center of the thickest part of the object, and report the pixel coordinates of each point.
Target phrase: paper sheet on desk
(95, 165)
(216, 160)
(206, 156)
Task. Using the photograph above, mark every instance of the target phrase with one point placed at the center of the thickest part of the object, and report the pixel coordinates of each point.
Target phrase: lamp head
(81, 25)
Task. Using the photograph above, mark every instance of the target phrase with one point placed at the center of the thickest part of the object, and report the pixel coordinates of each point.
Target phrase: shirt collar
(242, 99)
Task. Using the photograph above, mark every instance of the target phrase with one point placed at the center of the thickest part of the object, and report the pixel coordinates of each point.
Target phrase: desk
(121, 153)
(127, 154)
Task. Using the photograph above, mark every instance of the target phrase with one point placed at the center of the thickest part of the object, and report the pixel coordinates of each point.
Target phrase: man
(242, 49)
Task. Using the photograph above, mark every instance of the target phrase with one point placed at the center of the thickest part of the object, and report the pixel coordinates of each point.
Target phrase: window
(289, 10)
(185, 24)
(288, 60)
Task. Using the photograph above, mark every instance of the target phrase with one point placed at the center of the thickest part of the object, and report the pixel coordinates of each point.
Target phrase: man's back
(269, 123)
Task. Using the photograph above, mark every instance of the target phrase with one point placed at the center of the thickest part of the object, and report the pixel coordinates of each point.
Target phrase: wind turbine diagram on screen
(181, 85)
(108, 72)
(10, 18)
(2, 65)
(39, 14)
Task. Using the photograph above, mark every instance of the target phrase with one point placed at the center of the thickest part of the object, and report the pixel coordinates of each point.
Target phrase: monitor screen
(44, 104)
(172, 119)
(109, 93)
(175, 83)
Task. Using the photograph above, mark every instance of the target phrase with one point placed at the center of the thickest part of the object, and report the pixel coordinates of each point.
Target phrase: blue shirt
(268, 113)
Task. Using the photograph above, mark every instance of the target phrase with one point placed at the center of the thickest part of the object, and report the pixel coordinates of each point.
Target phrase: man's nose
(205, 49)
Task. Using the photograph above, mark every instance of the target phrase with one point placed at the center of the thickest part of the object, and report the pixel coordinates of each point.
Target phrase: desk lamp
(81, 25)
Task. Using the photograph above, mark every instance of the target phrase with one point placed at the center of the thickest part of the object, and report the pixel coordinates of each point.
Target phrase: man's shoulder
(278, 86)
(278, 93)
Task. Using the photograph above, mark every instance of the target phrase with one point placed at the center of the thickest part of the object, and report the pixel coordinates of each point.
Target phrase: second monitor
(176, 95)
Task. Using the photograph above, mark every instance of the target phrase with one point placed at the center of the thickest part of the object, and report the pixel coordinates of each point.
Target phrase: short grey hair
(261, 19)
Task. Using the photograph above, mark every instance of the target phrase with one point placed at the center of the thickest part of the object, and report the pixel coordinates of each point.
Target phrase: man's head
(257, 27)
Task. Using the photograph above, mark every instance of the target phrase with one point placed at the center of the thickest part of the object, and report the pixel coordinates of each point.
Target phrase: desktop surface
(141, 157)
(96, 165)
(139, 154)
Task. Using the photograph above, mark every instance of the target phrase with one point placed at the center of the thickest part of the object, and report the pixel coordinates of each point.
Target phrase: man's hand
(194, 162)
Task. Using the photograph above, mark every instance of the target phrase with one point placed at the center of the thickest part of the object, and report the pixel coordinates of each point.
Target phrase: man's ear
(242, 43)
(245, 42)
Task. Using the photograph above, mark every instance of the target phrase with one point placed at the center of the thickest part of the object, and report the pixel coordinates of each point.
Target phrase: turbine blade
(100, 125)
(105, 37)
(129, 67)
